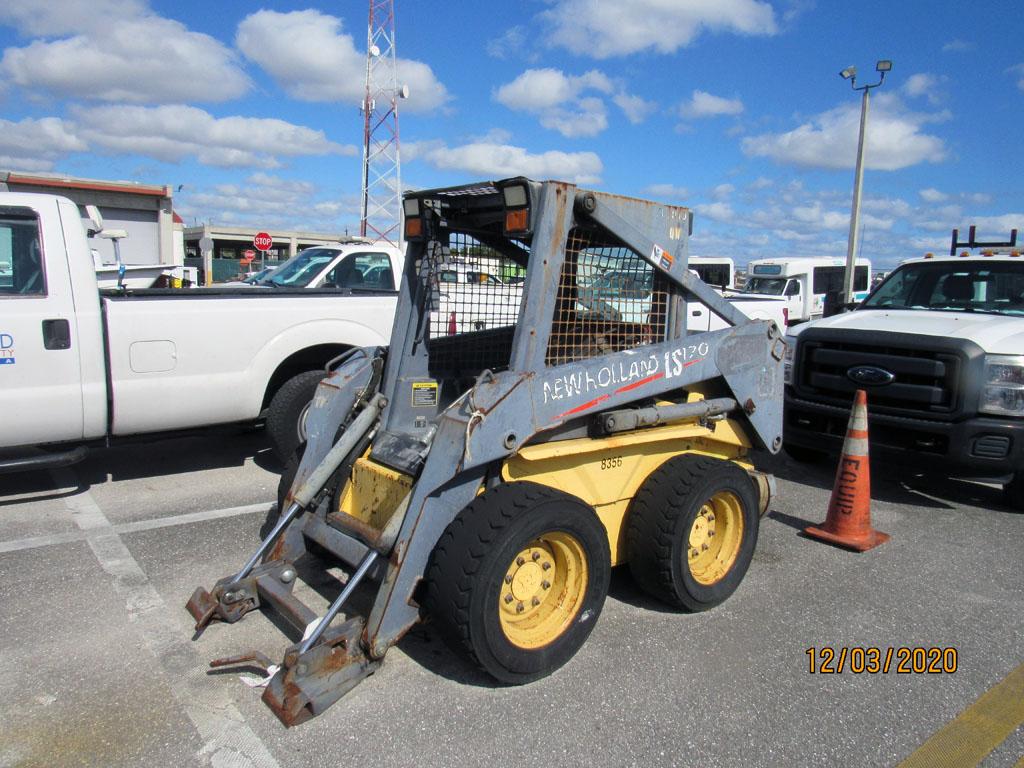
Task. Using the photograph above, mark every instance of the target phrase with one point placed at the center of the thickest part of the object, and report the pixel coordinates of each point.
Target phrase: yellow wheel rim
(543, 590)
(715, 538)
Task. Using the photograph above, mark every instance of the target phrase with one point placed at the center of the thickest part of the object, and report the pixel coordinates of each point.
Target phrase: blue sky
(732, 107)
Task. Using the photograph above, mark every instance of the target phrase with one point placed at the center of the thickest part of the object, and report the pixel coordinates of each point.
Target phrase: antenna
(380, 211)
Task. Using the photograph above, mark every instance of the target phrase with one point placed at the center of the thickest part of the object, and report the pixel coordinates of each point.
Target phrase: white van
(805, 282)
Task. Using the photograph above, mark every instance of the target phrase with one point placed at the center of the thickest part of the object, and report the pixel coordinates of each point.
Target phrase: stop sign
(263, 241)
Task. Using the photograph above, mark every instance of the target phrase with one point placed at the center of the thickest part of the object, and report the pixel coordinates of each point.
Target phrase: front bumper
(978, 446)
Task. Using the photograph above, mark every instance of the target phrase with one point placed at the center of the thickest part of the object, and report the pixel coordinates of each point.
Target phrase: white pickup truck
(939, 348)
(81, 366)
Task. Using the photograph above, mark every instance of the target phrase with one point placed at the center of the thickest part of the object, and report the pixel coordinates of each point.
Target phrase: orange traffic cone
(848, 522)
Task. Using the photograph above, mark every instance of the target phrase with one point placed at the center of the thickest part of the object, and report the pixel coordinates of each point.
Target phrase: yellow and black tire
(692, 530)
(518, 579)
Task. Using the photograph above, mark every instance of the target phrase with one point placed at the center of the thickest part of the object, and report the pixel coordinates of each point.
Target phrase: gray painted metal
(448, 444)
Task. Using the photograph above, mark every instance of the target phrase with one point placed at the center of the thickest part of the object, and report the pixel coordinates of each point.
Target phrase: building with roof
(145, 211)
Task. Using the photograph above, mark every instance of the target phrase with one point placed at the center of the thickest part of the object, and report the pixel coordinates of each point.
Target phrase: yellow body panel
(607, 472)
(373, 492)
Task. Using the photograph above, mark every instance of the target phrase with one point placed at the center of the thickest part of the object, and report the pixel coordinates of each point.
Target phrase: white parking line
(227, 738)
(32, 542)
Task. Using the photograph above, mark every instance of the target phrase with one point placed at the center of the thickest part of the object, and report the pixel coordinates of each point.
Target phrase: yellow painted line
(983, 726)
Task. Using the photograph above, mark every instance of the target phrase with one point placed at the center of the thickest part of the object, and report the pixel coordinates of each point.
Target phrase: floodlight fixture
(849, 72)
(883, 66)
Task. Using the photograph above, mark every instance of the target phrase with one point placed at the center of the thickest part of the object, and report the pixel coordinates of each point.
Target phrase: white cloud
(891, 207)
(47, 136)
(895, 139)
(926, 85)
(602, 29)
(310, 57)
(504, 160)
(513, 43)
(539, 89)
(120, 51)
(932, 195)
(816, 214)
(64, 17)
(719, 211)
(722, 191)
(703, 104)
(1019, 71)
(957, 45)
(269, 201)
(993, 227)
(567, 104)
(175, 132)
(667, 191)
(635, 108)
(978, 198)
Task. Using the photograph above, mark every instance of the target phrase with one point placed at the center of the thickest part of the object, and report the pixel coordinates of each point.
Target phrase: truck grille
(925, 381)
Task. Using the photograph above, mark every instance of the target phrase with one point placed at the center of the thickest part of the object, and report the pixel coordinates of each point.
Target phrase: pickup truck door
(40, 370)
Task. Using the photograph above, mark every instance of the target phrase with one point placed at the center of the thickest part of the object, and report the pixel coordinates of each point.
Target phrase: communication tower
(380, 211)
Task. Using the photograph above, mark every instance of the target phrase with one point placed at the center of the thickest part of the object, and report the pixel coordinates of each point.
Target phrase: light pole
(850, 73)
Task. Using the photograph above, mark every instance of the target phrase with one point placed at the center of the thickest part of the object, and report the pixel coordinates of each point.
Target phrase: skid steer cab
(526, 430)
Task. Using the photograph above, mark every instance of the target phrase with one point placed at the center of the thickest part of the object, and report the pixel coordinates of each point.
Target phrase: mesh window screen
(609, 299)
(475, 295)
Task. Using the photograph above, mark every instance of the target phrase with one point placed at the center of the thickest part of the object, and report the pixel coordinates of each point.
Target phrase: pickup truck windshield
(773, 286)
(302, 268)
(994, 287)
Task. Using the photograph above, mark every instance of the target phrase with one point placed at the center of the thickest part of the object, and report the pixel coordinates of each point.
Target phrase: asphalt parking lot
(98, 665)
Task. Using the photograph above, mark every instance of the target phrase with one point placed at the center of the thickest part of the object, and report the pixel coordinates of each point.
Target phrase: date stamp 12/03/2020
(872, 660)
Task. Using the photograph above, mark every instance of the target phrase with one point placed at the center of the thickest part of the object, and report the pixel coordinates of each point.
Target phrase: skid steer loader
(526, 430)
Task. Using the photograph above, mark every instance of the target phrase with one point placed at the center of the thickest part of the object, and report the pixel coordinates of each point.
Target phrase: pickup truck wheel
(1013, 492)
(692, 530)
(518, 579)
(803, 455)
(286, 417)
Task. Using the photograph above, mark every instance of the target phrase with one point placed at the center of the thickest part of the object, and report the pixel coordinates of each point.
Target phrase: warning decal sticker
(424, 394)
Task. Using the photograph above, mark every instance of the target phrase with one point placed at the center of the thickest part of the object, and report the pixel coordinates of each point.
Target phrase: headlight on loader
(1002, 391)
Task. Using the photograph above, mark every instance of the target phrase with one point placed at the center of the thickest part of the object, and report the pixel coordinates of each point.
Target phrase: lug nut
(509, 598)
(711, 518)
(711, 533)
(704, 547)
(508, 579)
(694, 553)
(520, 560)
(546, 584)
(536, 556)
(520, 608)
(535, 601)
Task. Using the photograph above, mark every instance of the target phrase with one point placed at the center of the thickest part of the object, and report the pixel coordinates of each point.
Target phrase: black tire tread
(652, 520)
(461, 551)
(281, 414)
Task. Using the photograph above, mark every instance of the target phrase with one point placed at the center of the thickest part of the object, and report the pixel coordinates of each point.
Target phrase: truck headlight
(787, 361)
(1002, 391)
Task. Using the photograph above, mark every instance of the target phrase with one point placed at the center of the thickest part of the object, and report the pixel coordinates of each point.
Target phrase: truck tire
(286, 416)
(518, 579)
(692, 530)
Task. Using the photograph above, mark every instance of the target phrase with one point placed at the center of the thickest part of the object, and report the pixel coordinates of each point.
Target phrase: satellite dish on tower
(403, 91)
(374, 50)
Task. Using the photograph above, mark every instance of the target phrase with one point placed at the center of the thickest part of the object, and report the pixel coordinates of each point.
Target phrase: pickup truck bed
(80, 365)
